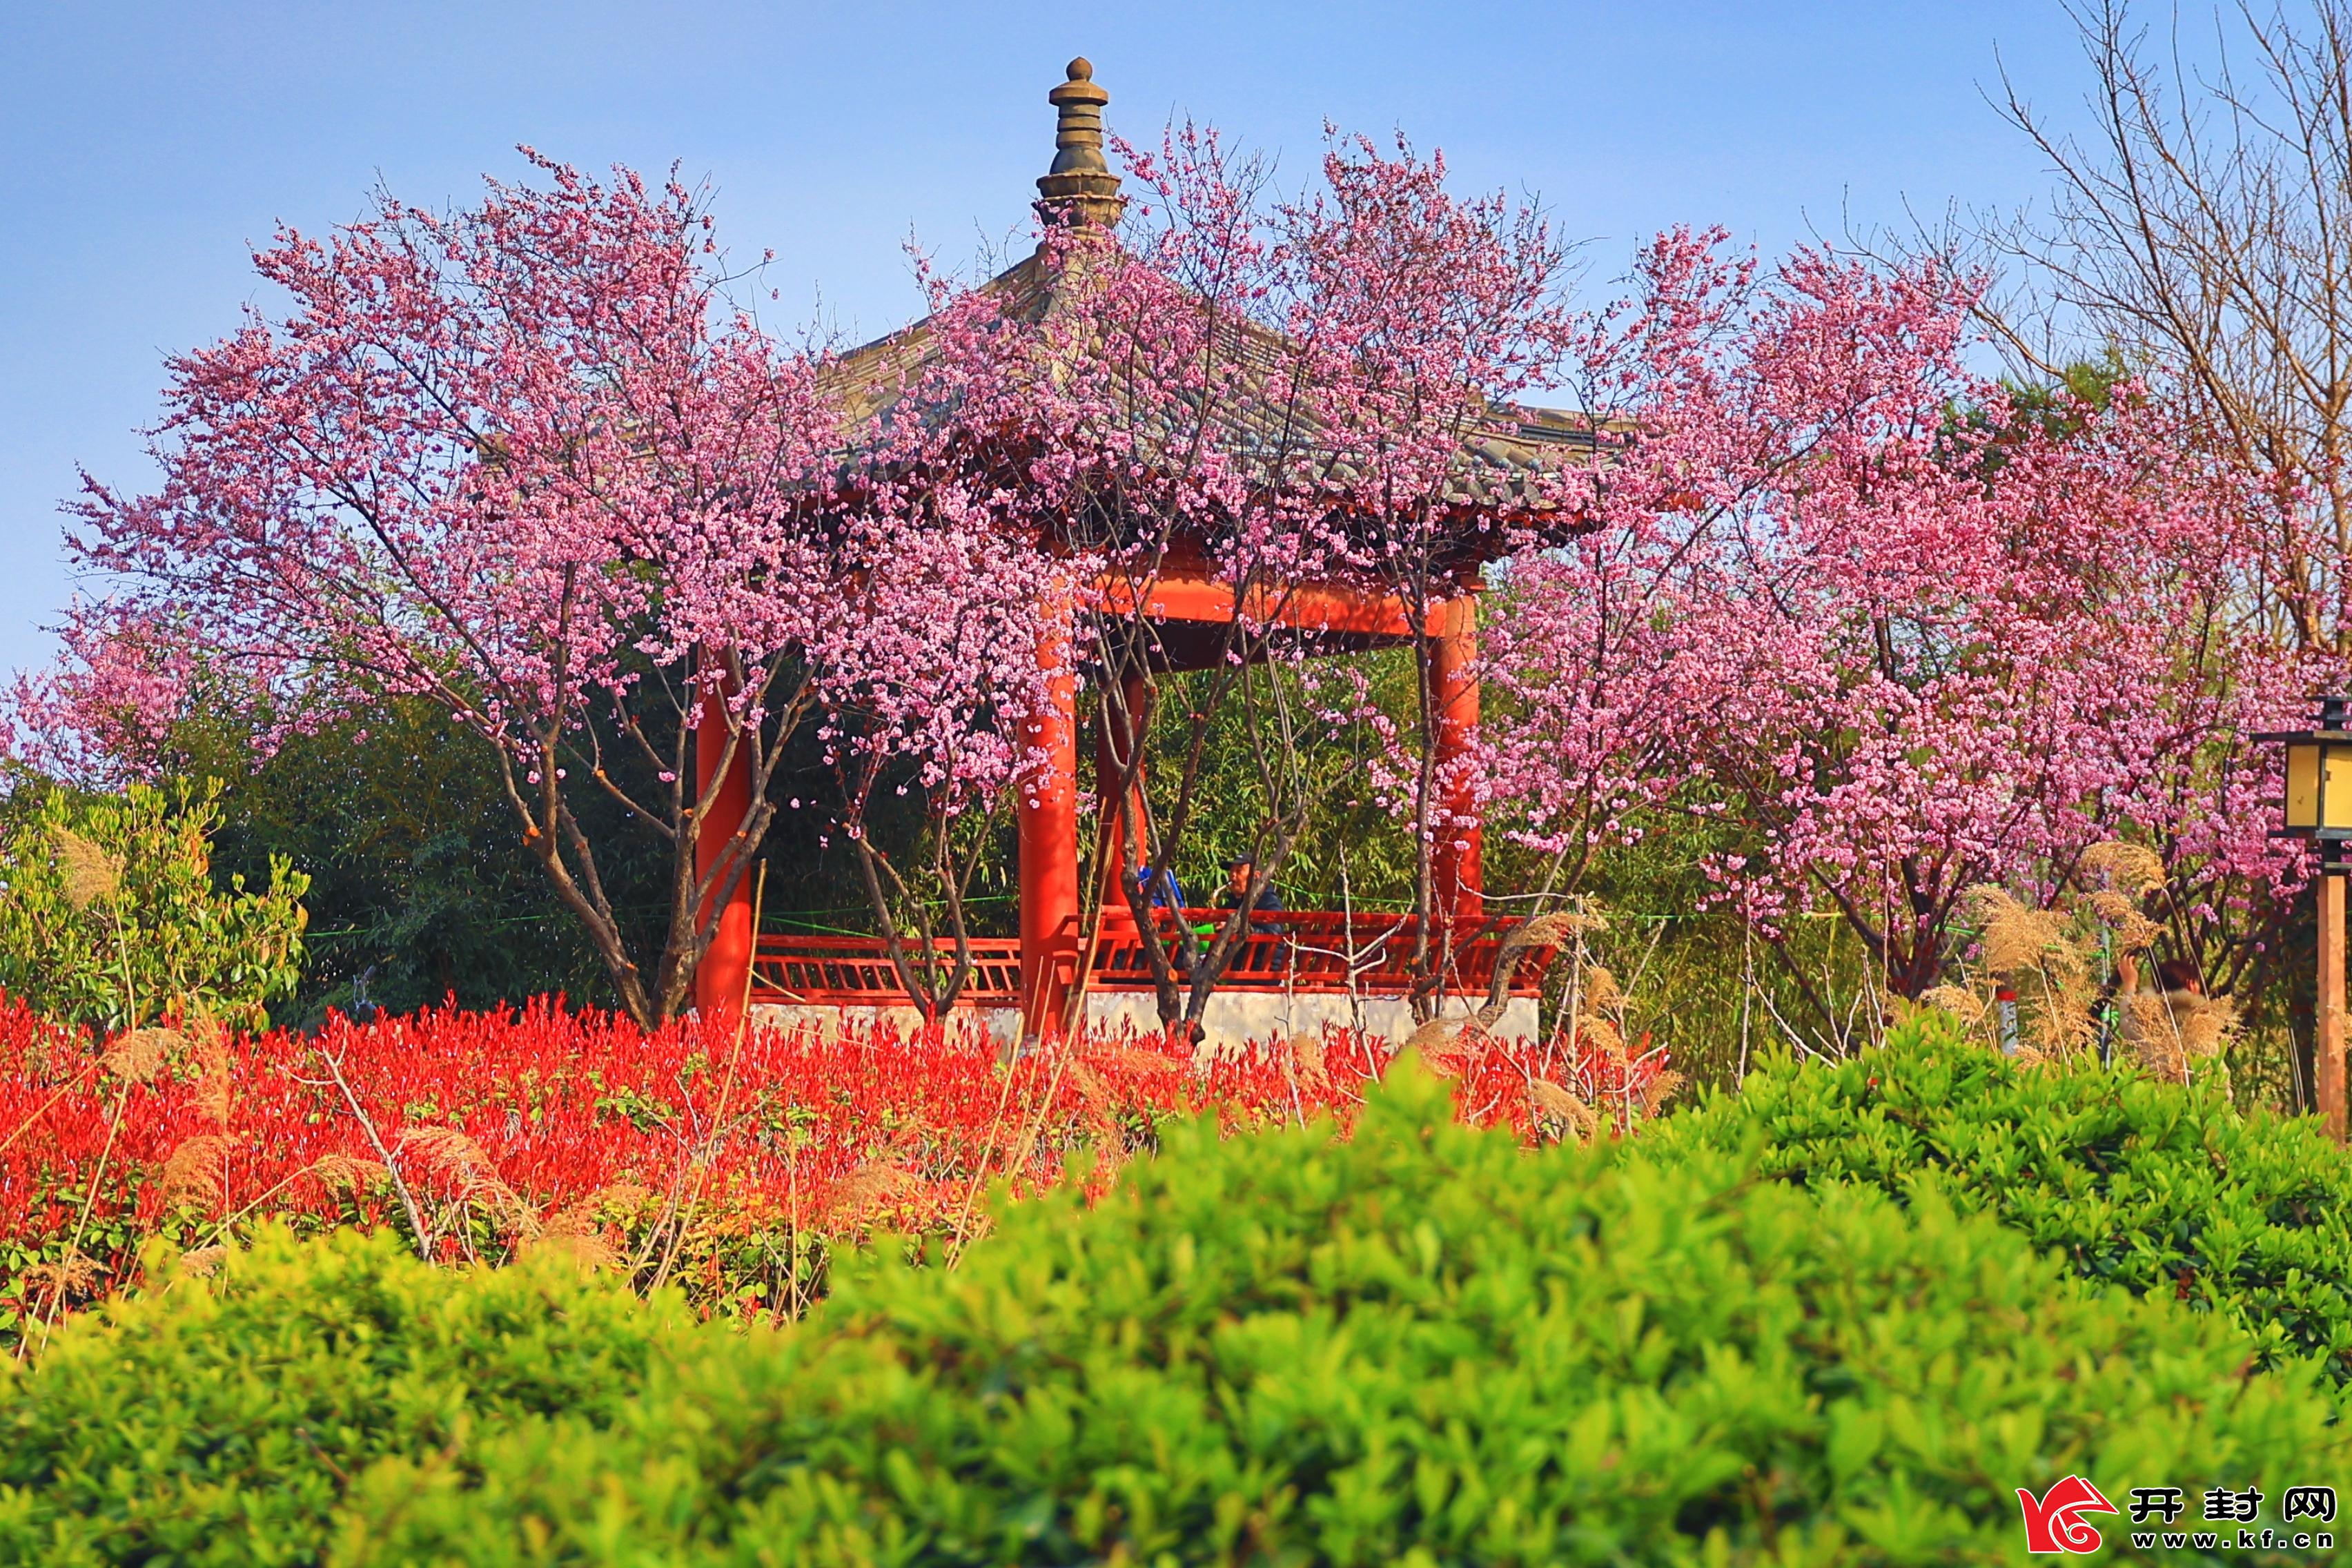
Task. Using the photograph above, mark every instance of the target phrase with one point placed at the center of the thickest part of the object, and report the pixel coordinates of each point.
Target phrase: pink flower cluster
(1898, 630)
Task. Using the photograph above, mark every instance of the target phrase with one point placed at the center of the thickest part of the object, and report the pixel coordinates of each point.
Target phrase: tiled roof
(870, 381)
(1498, 461)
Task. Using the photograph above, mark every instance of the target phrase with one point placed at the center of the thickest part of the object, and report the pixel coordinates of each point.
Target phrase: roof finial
(1081, 189)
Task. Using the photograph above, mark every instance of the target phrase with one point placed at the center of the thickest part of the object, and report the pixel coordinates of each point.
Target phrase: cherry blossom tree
(523, 462)
(928, 681)
(1900, 652)
(1125, 396)
(1425, 318)
(100, 717)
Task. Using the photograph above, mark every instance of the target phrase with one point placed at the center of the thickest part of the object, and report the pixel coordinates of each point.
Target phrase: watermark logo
(2054, 1522)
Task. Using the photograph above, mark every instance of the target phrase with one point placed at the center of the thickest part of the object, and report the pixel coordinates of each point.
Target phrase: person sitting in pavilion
(1166, 892)
(1240, 872)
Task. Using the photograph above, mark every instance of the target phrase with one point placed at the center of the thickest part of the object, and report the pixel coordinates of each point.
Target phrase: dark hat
(1238, 861)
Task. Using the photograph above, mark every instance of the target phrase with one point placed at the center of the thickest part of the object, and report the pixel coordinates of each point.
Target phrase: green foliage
(1698, 981)
(1351, 848)
(419, 872)
(417, 865)
(112, 920)
(2083, 384)
(1421, 1345)
(219, 1423)
(2164, 1189)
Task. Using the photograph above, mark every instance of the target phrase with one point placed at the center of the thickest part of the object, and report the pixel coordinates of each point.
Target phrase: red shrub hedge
(727, 1164)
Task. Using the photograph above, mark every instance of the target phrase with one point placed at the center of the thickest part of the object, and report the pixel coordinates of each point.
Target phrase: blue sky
(143, 147)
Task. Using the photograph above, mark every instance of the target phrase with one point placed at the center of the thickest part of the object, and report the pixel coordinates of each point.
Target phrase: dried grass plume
(1562, 1112)
(2013, 936)
(92, 876)
(194, 1169)
(137, 1055)
(469, 1168)
(2132, 869)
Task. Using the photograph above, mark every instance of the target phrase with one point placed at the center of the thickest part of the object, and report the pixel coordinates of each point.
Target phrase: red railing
(856, 972)
(1310, 952)
(1324, 951)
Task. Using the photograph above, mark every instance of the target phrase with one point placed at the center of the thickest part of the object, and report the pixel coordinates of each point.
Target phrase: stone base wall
(1233, 1017)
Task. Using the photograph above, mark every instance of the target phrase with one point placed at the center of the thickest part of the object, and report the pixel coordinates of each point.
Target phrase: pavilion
(1319, 967)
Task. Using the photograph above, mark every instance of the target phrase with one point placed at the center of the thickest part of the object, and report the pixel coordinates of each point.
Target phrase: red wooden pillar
(726, 963)
(1457, 885)
(1049, 839)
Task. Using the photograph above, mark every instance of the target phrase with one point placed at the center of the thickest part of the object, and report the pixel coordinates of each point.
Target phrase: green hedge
(1422, 1344)
(219, 1422)
(2163, 1190)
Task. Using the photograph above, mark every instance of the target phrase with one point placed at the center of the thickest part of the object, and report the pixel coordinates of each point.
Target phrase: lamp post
(2318, 807)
